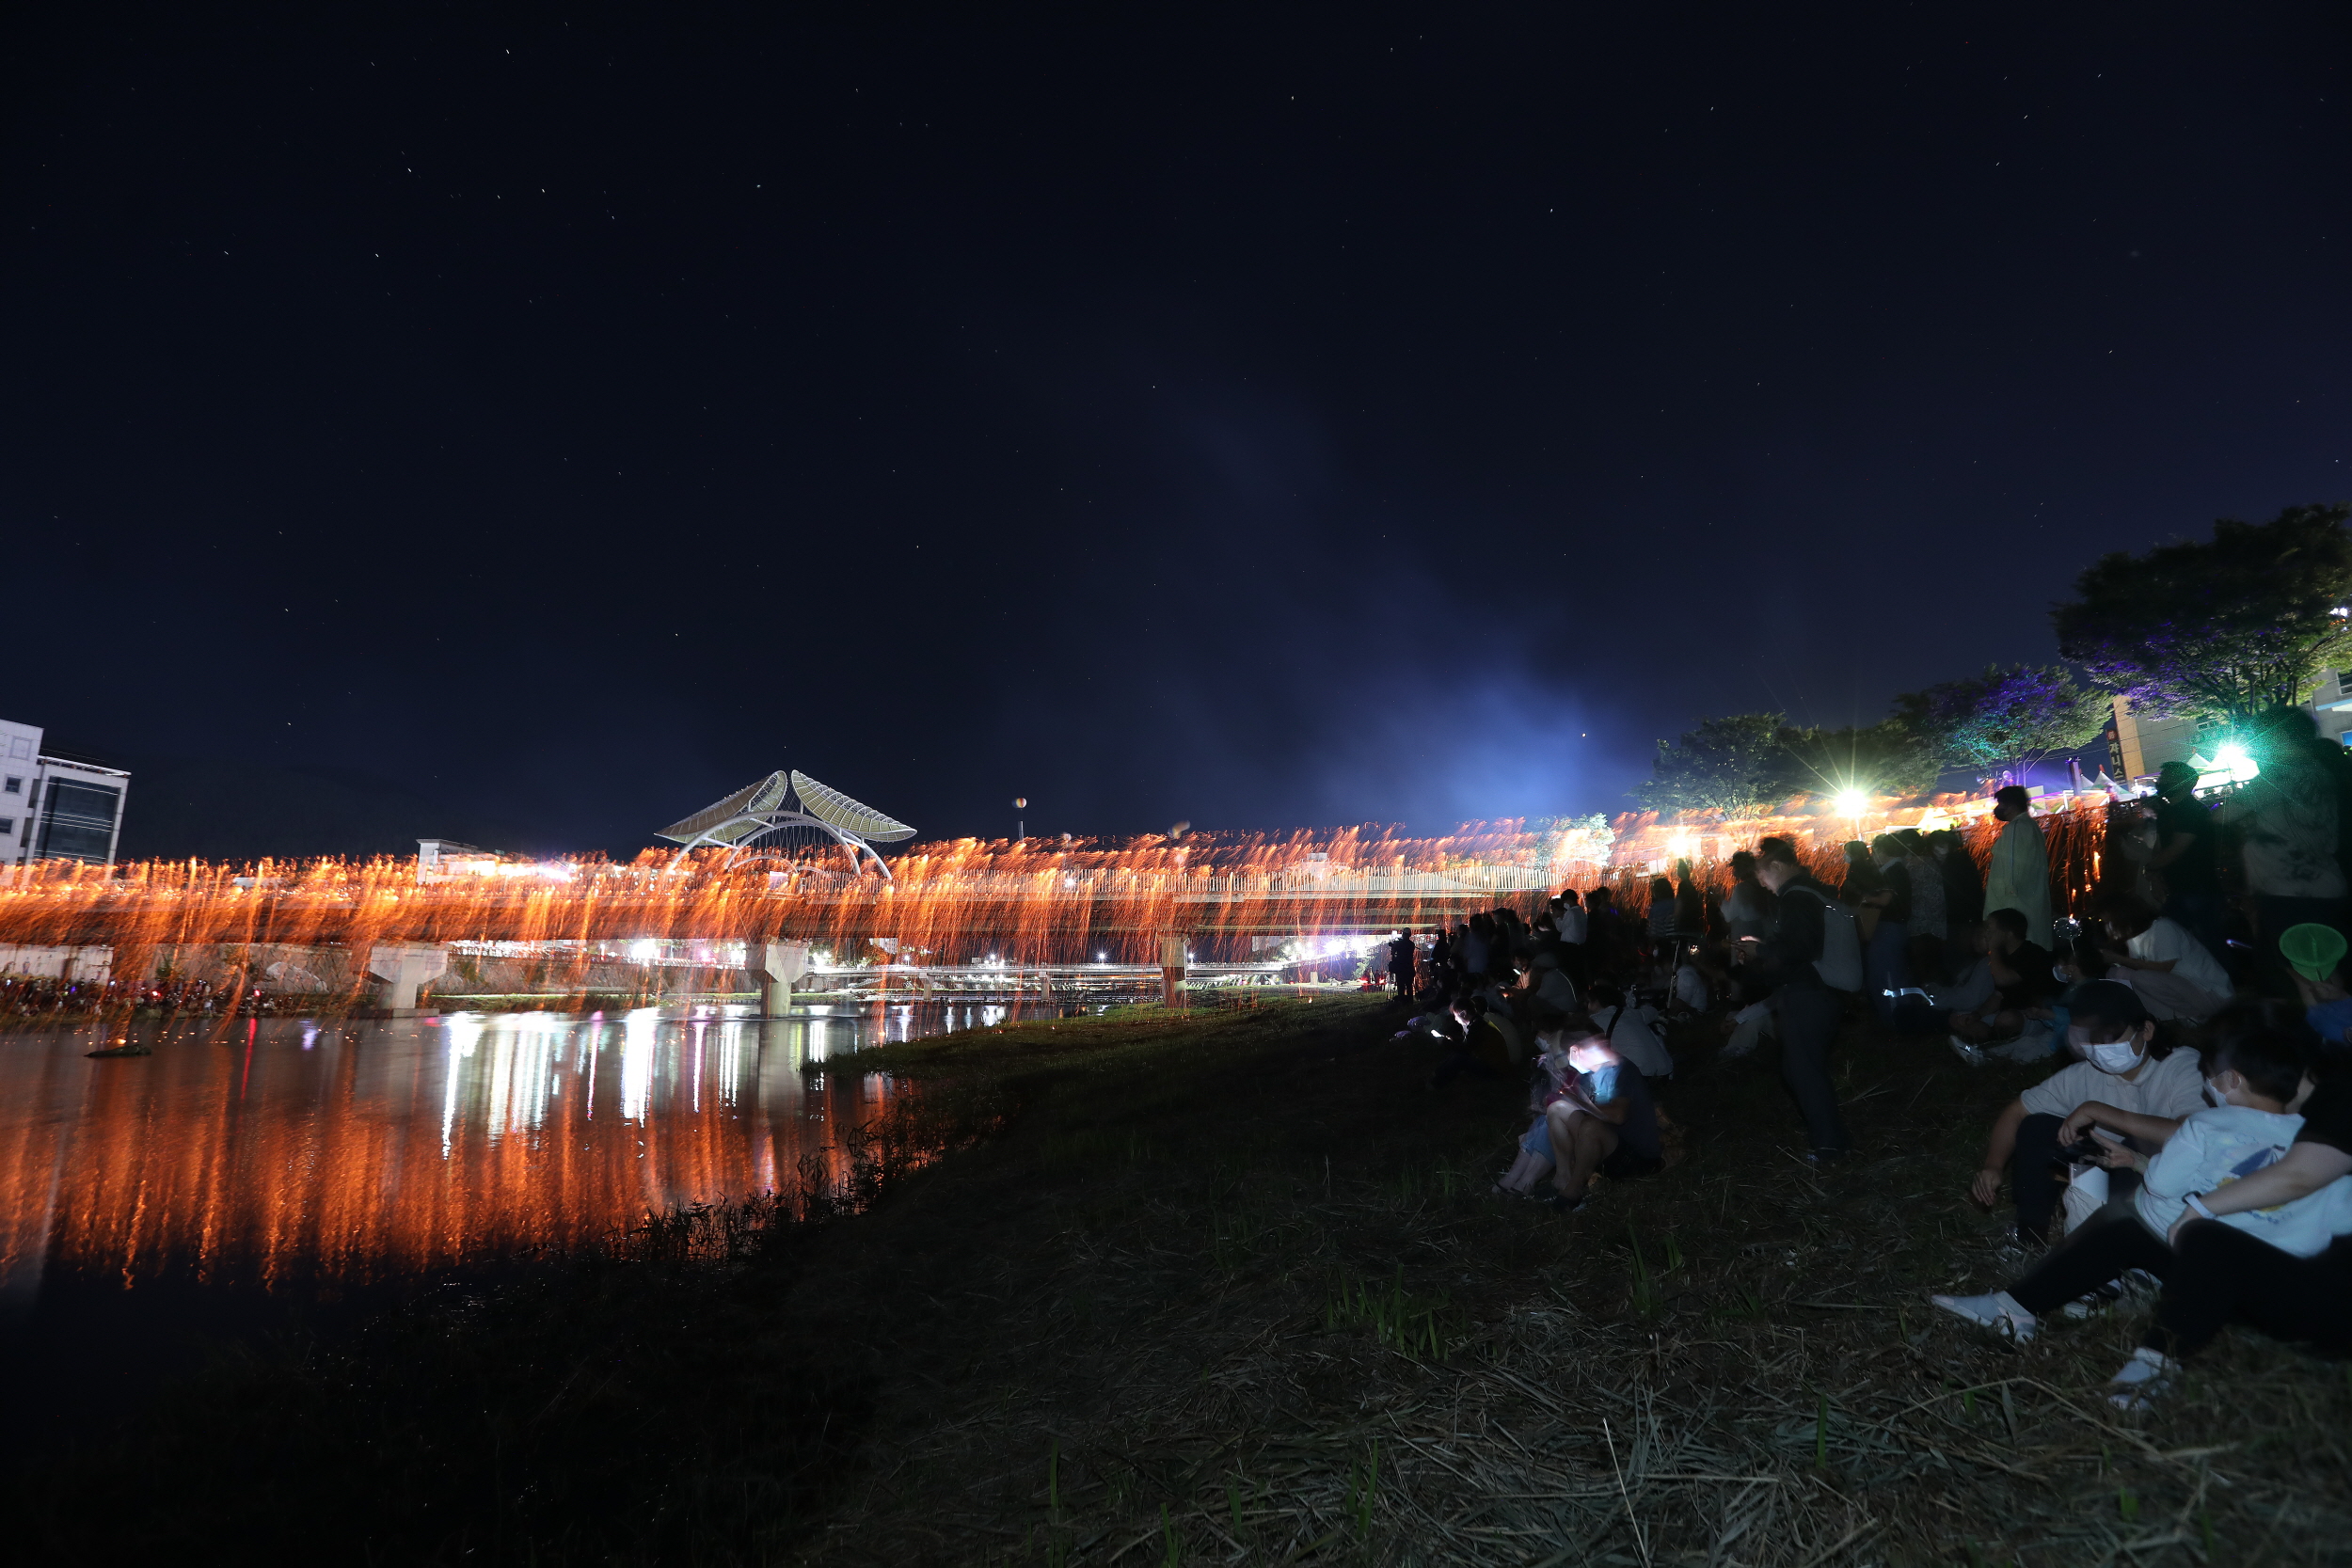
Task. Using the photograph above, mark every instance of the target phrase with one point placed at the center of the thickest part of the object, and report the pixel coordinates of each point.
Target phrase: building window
(13, 786)
(7, 824)
(80, 822)
(19, 747)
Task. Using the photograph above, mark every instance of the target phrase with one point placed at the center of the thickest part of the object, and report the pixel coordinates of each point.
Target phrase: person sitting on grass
(2126, 1071)
(1545, 985)
(1554, 1072)
(2256, 1262)
(1632, 1031)
(2173, 970)
(1483, 1050)
(2023, 972)
(1602, 1123)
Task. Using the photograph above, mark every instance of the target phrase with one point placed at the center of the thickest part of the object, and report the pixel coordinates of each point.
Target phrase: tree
(1886, 758)
(2223, 628)
(2004, 718)
(1733, 764)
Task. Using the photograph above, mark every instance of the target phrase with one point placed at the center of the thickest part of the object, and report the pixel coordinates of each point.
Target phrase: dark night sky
(1262, 418)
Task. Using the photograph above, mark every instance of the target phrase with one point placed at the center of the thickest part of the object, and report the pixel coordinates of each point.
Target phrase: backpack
(1840, 964)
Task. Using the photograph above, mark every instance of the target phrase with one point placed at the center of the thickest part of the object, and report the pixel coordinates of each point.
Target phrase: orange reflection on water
(280, 1147)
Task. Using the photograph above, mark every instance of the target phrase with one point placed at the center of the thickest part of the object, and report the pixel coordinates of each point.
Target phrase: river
(257, 1172)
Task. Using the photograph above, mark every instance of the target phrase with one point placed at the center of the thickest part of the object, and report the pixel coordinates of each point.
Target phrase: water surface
(255, 1171)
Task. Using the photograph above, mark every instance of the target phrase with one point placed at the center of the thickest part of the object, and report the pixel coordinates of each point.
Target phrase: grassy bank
(1152, 1291)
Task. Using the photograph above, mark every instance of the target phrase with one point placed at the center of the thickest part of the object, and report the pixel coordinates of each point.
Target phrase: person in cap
(2185, 857)
(2019, 877)
(2121, 1068)
(2315, 956)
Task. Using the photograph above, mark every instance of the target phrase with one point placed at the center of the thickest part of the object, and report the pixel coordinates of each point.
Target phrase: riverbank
(1227, 1289)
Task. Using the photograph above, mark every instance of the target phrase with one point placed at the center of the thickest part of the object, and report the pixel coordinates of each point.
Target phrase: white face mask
(2216, 1102)
(2116, 1056)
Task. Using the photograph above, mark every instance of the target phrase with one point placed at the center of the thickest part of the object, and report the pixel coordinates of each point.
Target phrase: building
(55, 807)
(2331, 705)
(2138, 746)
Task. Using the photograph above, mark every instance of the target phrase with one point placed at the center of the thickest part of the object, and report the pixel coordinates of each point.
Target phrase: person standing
(2184, 856)
(1808, 977)
(2288, 814)
(2019, 878)
(1401, 956)
(1963, 895)
(1747, 908)
(1928, 927)
(1568, 914)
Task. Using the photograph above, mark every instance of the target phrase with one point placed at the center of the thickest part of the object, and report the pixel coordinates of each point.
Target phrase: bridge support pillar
(1172, 969)
(402, 968)
(782, 962)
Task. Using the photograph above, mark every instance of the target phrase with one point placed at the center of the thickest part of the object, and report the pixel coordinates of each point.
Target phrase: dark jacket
(1898, 909)
(1963, 890)
(1786, 956)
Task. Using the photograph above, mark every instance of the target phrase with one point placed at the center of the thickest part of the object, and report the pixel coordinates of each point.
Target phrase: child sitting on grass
(2251, 1074)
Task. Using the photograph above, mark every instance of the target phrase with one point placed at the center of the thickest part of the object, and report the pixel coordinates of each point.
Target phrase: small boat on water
(122, 1048)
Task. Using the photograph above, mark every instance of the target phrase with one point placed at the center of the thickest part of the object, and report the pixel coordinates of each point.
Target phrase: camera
(2084, 1151)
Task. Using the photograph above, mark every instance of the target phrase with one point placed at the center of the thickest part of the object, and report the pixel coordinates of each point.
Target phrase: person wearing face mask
(2265, 1265)
(2110, 1029)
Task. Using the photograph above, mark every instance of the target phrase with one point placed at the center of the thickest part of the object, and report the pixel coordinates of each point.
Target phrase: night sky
(1262, 418)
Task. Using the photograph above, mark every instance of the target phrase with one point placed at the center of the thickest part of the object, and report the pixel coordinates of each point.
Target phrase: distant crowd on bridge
(2193, 1145)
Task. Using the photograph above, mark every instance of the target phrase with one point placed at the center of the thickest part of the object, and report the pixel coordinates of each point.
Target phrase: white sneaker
(1998, 1312)
(1968, 1053)
(2146, 1378)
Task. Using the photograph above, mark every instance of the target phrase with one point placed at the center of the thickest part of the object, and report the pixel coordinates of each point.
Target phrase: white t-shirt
(2170, 1089)
(1691, 989)
(2217, 1146)
(1631, 1037)
(2167, 939)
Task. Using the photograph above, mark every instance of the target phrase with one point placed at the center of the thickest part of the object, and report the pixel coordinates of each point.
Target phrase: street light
(1853, 803)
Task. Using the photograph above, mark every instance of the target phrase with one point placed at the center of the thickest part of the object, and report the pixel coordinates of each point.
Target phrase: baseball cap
(2313, 949)
(2108, 1002)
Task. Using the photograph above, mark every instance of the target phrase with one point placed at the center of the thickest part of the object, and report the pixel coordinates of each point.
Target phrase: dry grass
(1732, 1362)
(1229, 1290)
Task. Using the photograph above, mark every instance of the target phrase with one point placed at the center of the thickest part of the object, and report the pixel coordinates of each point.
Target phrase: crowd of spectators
(2193, 1144)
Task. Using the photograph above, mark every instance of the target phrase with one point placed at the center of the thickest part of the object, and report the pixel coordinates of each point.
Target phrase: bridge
(386, 926)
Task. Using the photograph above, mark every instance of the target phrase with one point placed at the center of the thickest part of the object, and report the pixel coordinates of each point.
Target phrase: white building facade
(55, 808)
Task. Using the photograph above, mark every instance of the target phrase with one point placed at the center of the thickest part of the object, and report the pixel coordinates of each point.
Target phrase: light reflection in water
(367, 1151)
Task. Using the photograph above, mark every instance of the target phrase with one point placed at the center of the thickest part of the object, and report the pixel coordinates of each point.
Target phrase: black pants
(2218, 1274)
(1404, 978)
(2034, 1181)
(1809, 1019)
(2035, 1184)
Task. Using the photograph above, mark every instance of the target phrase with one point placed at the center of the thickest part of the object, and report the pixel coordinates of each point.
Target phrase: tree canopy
(1733, 764)
(2001, 719)
(2224, 627)
(1886, 758)
(1741, 764)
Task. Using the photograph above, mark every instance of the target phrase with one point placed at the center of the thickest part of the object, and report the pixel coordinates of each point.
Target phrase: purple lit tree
(2003, 720)
(2220, 628)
